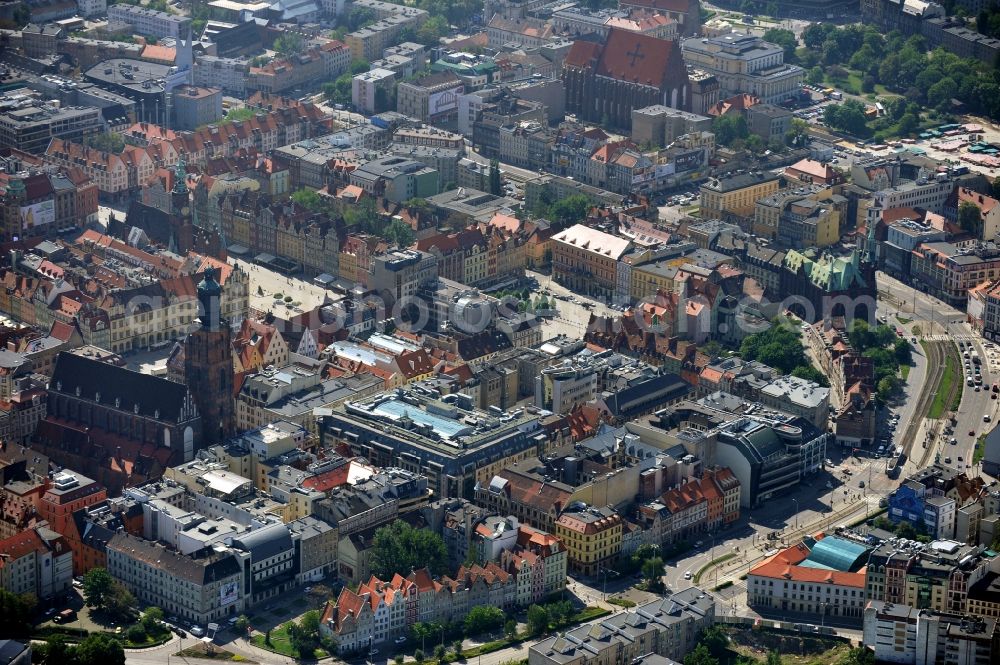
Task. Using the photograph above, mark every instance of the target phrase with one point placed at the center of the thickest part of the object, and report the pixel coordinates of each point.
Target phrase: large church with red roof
(605, 82)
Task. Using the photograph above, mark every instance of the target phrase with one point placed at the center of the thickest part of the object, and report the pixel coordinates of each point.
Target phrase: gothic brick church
(605, 82)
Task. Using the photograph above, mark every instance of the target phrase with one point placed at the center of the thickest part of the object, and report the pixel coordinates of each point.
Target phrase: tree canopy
(400, 548)
(780, 347)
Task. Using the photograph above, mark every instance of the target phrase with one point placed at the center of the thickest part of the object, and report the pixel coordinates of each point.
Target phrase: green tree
(885, 389)
(288, 44)
(798, 132)
(496, 184)
(400, 233)
(119, 602)
(538, 620)
(400, 548)
(483, 618)
(653, 569)
(418, 655)
(859, 656)
(432, 30)
(970, 217)
(304, 635)
(727, 128)
(848, 117)
(570, 210)
(815, 76)
(906, 530)
(136, 634)
(510, 629)
(15, 613)
(152, 620)
(97, 585)
(715, 640)
(399, 659)
(309, 199)
(421, 631)
(908, 124)
(242, 625)
(359, 66)
(98, 649)
(773, 658)
(700, 656)
(111, 142)
(456, 648)
(339, 90)
(439, 652)
(814, 34)
(785, 39)
(903, 352)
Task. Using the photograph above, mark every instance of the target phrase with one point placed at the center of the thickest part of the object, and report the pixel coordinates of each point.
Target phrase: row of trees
(94, 649)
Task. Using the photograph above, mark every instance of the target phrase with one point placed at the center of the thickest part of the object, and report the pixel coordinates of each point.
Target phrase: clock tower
(180, 198)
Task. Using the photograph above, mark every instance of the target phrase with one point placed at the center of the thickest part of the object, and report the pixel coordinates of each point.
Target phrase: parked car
(197, 630)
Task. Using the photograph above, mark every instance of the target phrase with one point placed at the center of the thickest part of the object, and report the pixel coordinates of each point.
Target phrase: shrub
(136, 634)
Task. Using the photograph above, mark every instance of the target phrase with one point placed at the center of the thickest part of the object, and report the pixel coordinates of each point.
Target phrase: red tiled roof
(634, 57)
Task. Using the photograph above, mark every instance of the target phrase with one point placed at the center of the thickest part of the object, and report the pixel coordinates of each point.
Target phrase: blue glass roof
(835, 553)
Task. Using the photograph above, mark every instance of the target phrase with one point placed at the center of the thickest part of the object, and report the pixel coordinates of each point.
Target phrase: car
(232, 620)
(179, 632)
(688, 575)
(972, 432)
(978, 389)
(197, 630)
(953, 441)
(986, 417)
(947, 460)
(960, 459)
(307, 589)
(373, 652)
(400, 640)
(861, 484)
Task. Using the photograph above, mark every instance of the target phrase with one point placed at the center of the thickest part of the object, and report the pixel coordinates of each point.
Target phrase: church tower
(208, 363)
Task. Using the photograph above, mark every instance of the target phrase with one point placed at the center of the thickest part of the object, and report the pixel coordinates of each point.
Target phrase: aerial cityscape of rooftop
(508, 332)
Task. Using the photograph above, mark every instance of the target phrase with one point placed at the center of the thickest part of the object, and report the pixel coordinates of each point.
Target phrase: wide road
(934, 321)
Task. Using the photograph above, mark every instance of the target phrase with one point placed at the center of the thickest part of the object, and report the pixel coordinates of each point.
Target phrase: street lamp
(796, 513)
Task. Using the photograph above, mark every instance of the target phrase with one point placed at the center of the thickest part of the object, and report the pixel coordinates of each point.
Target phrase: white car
(688, 575)
(197, 631)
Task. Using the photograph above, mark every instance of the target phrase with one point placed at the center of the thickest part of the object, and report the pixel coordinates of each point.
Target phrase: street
(932, 320)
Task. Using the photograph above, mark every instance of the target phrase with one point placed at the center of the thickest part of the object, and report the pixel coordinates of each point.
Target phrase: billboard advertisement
(445, 101)
(229, 593)
(38, 214)
(688, 161)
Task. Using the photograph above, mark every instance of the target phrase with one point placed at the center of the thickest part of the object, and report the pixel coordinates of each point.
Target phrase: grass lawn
(948, 378)
(714, 562)
(904, 320)
(977, 454)
(281, 644)
(794, 649)
(904, 371)
(204, 651)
